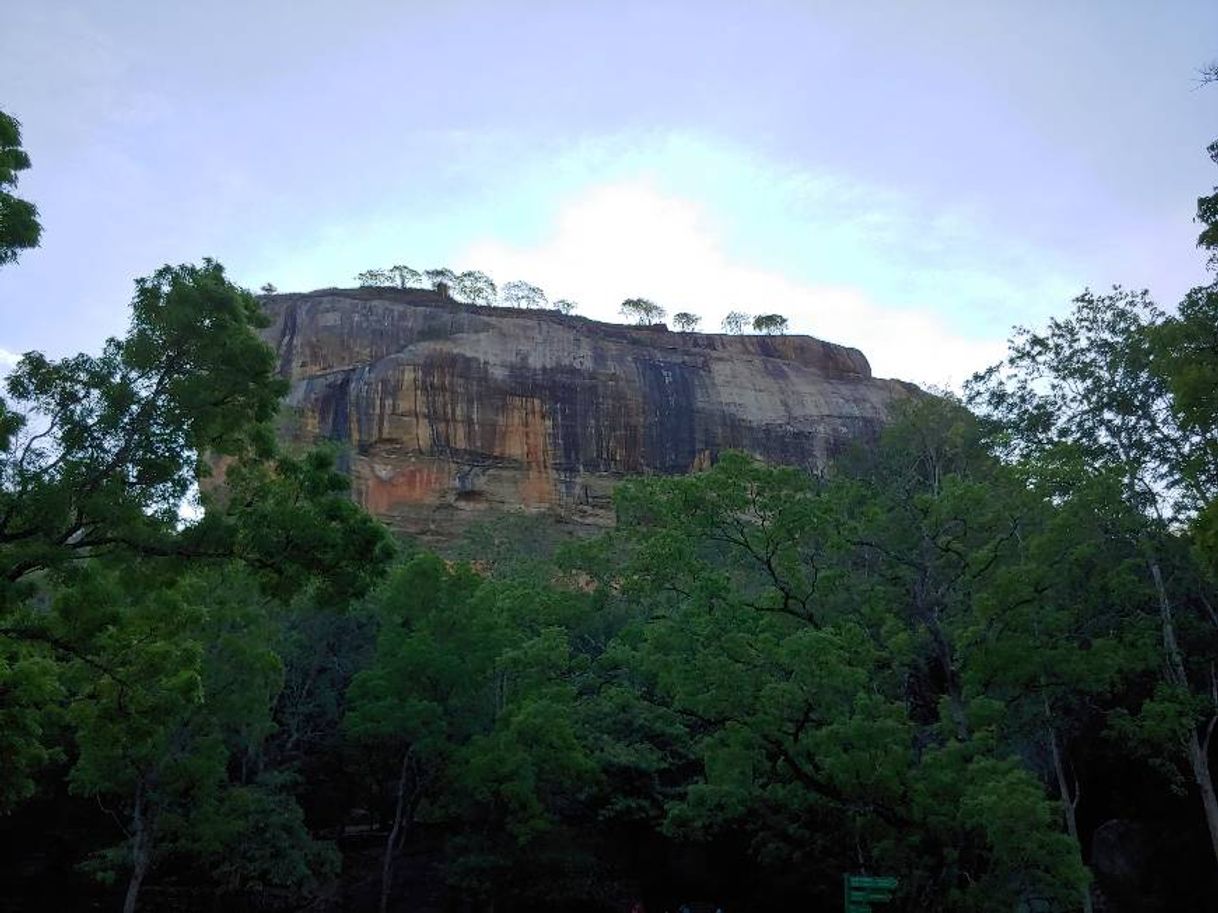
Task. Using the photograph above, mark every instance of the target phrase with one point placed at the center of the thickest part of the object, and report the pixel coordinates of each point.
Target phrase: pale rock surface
(444, 411)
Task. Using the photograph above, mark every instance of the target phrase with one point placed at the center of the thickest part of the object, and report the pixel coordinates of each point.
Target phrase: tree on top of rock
(374, 278)
(405, 277)
(523, 295)
(735, 322)
(770, 324)
(686, 322)
(441, 277)
(642, 311)
(475, 288)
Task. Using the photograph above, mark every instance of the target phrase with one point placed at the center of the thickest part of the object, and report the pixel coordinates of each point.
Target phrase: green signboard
(864, 890)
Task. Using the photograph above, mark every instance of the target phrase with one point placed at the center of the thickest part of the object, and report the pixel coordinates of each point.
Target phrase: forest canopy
(977, 654)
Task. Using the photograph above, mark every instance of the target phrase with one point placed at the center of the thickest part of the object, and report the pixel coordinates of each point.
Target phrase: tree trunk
(1068, 798)
(141, 850)
(391, 842)
(1196, 749)
(1198, 759)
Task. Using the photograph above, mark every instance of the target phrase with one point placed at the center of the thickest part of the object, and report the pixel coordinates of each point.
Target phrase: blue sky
(908, 178)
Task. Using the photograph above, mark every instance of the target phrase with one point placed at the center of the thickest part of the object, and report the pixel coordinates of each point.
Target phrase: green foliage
(405, 277)
(519, 294)
(139, 647)
(642, 311)
(770, 324)
(1106, 400)
(470, 693)
(475, 287)
(814, 641)
(174, 699)
(1185, 350)
(19, 226)
(686, 322)
(292, 520)
(1083, 393)
(735, 322)
(107, 447)
(441, 277)
(944, 657)
(31, 690)
(1207, 207)
(375, 278)
(255, 841)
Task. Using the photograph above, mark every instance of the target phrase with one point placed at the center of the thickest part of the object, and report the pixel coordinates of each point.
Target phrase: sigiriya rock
(444, 411)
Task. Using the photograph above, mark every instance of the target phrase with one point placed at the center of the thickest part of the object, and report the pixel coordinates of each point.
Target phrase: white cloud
(8, 360)
(628, 239)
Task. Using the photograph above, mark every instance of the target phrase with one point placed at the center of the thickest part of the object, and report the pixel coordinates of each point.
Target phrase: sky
(912, 179)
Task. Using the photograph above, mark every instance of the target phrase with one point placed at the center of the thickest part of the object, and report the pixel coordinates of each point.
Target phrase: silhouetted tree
(686, 322)
(475, 287)
(770, 324)
(405, 276)
(374, 278)
(19, 227)
(642, 311)
(523, 295)
(442, 276)
(735, 322)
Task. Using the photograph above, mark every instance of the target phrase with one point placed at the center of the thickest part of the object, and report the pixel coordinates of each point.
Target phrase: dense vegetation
(976, 654)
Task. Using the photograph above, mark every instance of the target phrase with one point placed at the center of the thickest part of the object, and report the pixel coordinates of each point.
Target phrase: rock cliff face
(446, 411)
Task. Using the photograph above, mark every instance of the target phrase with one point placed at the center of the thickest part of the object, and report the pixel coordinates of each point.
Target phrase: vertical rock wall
(444, 411)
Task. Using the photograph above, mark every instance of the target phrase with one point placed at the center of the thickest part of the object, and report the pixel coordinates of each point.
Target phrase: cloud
(628, 239)
(8, 360)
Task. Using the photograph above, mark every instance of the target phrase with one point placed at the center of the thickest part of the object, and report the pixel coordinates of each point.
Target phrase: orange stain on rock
(524, 435)
(421, 483)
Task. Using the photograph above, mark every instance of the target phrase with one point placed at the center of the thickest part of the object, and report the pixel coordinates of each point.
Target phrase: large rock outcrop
(445, 411)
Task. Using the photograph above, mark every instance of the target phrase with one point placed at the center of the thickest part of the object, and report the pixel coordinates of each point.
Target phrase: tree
(1065, 641)
(811, 636)
(467, 699)
(374, 278)
(291, 520)
(564, 306)
(405, 277)
(686, 322)
(137, 742)
(1080, 402)
(19, 226)
(476, 288)
(442, 277)
(173, 704)
(735, 322)
(412, 700)
(32, 693)
(642, 311)
(1184, 356)
(1185, 350)
(268, 289)
(1207, 215)
(99, 453)
(770, 324)
(97, 465)
(108, 446)
(518, 294)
